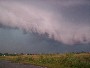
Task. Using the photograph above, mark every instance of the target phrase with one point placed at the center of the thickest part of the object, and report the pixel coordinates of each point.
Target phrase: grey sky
(44, 26)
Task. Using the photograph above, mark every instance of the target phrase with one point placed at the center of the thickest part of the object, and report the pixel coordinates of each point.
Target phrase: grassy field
(71, 60)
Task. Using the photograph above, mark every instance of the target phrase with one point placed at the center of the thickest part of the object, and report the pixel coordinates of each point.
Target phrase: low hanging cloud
(33, 18)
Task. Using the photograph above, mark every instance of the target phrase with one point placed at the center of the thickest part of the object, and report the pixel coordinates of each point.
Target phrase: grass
(53, 60)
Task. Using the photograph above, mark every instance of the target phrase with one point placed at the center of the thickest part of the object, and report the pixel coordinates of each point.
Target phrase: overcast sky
(44, 26)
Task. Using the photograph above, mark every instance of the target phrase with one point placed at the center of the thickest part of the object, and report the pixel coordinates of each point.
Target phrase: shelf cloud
(67, 22)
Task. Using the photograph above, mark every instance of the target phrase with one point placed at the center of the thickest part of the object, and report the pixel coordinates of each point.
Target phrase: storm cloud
(64, 21)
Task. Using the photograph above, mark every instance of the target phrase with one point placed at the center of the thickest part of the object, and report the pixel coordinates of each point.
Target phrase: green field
(70, 60)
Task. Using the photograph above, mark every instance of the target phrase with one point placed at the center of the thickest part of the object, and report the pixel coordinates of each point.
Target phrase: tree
(1, 54)
(6, 54)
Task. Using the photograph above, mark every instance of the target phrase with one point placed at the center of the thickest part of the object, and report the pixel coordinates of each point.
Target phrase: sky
(44, 26)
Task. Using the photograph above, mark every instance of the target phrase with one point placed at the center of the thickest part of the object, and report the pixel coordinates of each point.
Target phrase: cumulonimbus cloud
(33, 19)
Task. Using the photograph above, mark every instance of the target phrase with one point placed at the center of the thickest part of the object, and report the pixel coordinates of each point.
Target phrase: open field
(70, 60)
